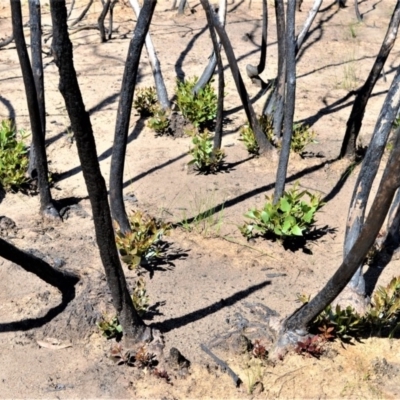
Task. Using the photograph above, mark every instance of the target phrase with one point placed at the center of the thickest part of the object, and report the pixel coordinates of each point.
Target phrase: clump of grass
(13, 157)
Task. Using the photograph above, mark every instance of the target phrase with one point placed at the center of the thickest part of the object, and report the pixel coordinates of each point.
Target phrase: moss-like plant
(290, 216)
(249, 140)
(140, 298)
(142, 244)
(205, 158)
(200, 108)
(13, 156)
(302, 136)
(145, 100)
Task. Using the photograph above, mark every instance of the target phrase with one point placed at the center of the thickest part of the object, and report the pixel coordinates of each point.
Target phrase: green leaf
(296, 230)
(284, 205)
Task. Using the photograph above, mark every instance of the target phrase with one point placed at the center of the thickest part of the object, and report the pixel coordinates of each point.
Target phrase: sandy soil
(216, 273)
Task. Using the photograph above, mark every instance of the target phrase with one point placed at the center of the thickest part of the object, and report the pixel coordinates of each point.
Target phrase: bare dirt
(215, 274)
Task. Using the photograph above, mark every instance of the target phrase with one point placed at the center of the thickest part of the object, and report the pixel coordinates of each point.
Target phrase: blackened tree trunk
(252, 71)
(46, 204)
(162, 94)
(290, 100)
(181, 7)
(123, 115)
(71, 7)
(110, 19)
(38, 76)
(132, 324)
(101, 19)
(221, 84)
(261, 138)
(360, 103)
(83, 14)
(369, 169)
(297, 323)
(210, 68)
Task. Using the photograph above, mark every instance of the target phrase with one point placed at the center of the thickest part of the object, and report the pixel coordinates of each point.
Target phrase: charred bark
(369, 169)
(101, 19)
(38, 76)
(46, 204)
(110, 19)
(261, 138)
(221, 84)
(297, 322)
(290, 101)
(83, 14)
(360, 103)
(181, 7)
(358, 15)
(212, 64)
(133, 326)
(123, 115)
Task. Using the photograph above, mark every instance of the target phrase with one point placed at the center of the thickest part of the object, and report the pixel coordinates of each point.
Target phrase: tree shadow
(178, 322)
(10, 109)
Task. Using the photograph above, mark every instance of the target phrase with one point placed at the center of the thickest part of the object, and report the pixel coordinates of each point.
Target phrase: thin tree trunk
(221, 84)
(358, 15)
(252, 71)
(46, 204)
(182, 5)
(37, 70)
(307, 24)
(123, 115)
(61, 279)
(360, 103)
(133, 326)
(162, 94)
(83, 14)
(279, 97)
(101, 19)
(111, 15)
(379, 209)
(261, 138)
(71, 7)
(210, 68)
(369, 169)
(290, 100)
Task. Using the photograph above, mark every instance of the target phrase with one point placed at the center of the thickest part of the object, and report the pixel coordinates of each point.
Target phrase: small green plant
(145, 100)
(140, 298)
(200, 108)
(384, 311)
(143, 243)
(290, 216)
(205, 157)
(159, 120)
(110, 327)
(301, 137)
(13, 156)
(249, 140)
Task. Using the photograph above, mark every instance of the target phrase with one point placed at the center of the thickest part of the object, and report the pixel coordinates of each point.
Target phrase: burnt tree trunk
(360, 103)
(161, 89)
(221, 84)
(133, 326)
(261, 138)
(297, 323)
(37, 70)
(101, 19)
(123, 115)
(358, 15)
(252, 71)
(110, 19)
(369, 169)
(83, 14)
(290, 100)
(46, 203)
(210, 68)
(307, 24)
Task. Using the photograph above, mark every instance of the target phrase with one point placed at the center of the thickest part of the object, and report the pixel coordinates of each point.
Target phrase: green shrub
(249, 140)
(142, 244)
(289, 217)
(199, 109)
(13, 156)
(301, 137)
(205, 158)
(159, 120)
(145, 100)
